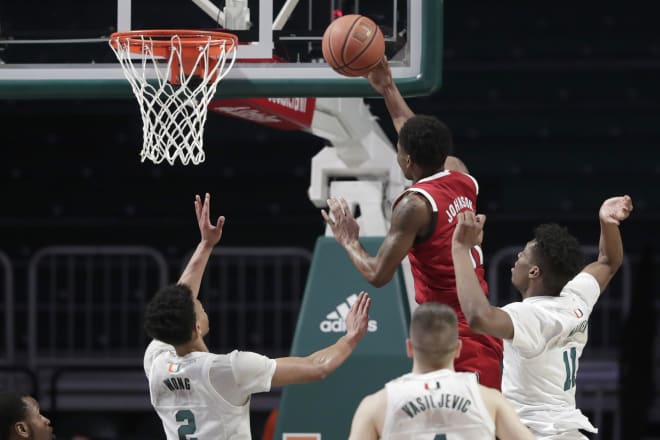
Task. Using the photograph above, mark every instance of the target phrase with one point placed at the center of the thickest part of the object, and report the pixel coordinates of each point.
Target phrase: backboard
(61, 50)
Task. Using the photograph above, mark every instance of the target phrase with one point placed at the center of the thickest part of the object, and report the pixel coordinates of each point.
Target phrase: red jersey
(449, 193)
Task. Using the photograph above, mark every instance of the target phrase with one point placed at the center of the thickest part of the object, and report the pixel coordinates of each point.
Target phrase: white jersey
(542, 359)
(203, 395)
(442, 404)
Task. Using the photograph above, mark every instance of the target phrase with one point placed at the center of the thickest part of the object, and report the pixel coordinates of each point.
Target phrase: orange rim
(161, 41)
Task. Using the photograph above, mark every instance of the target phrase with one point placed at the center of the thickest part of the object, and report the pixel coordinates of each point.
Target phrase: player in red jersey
(422, 224)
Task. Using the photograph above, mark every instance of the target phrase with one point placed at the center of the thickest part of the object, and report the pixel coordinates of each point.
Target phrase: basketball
(353, 45)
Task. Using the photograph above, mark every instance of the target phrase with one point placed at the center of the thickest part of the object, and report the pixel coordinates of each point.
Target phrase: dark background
(554, 107)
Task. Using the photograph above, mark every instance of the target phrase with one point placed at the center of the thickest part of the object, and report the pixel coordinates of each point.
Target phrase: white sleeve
(584, 286)
(253, 372)
(245, 373)
(154, 349)
(532, 327)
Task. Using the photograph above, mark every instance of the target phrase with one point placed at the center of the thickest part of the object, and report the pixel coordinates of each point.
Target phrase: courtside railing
(85, 307)
(252, 296)
(85, 303)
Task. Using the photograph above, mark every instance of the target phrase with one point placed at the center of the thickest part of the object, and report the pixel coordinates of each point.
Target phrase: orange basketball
(353, 45)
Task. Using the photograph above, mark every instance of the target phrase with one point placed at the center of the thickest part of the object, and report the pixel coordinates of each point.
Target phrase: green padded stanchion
(326, 408)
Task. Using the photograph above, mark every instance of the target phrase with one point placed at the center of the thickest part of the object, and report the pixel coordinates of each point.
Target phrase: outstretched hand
(342, 223)
(469, 230)
(210, 233)
(357, 319)
(615, 209)
(380, 77)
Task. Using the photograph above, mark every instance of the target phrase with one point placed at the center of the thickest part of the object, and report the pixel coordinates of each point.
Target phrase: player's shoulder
(583, 281)
(377, 398)
(535, 308)
(156, 348)
(584, 287)
(491, 396)
(413, 205)
(451, 178)
(467, 179)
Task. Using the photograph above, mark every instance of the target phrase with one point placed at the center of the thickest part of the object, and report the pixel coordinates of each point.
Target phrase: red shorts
(484, 359)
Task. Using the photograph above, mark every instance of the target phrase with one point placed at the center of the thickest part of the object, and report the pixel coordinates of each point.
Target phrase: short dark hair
(434, 332)
(427, 140)
(170, 315)
(12, 410)
(558, 254)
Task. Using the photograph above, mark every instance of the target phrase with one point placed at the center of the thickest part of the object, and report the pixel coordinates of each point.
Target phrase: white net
(173, 100)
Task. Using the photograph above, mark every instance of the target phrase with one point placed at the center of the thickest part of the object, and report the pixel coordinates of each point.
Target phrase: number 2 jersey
(542, 359)
(442, 404)
(205, 395)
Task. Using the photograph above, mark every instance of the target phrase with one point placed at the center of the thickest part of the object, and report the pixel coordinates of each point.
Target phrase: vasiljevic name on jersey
(438, 401)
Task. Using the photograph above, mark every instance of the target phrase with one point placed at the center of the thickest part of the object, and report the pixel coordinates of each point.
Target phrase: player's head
(433, 341)
(424, 141)
(20, 418)
(553, 257)
(174, 317)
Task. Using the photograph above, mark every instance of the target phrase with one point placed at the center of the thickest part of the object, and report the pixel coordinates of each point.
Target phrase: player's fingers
(358, 305)
(198, 205)
(481, 219)
(221, 222)
(326, 217)
(334, 207)
(205, 207)
(364, 302)
(627, 200)
(344, 206)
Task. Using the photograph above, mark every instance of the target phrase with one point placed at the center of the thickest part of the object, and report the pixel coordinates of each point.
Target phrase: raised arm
(409, 216)
(210, 236)
(610, 247)
(480, 314)
(319, 365)
(381, 80)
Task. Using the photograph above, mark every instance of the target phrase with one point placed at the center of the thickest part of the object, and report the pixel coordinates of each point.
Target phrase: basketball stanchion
(174, 74)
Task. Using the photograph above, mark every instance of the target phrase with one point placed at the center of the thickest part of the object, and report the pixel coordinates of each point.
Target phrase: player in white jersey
(205, 396)
(434, 402)
(544, 335)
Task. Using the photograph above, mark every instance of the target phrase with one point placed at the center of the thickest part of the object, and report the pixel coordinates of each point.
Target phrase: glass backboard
(61, 50)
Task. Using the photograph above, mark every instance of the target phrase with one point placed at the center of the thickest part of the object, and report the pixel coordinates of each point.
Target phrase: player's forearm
(367, 265)
(397, 107)
(610, 246)
(474, 304)
(315, 367)
(330, 358)
(194, 271)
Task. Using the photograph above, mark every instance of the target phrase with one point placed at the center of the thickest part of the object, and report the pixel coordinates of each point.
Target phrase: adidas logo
(335, 321)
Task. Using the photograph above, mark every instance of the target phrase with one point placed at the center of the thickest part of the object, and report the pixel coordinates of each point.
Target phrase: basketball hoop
(174, 74)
